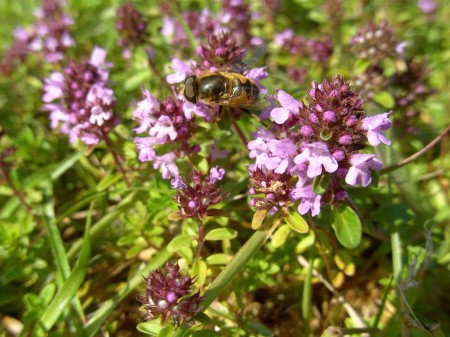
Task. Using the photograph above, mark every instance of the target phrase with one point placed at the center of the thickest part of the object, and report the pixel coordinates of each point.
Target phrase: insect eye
(191, 89)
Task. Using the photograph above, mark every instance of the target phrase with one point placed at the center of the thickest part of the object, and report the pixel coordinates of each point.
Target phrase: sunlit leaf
(180, 241)
(296, 222)
(280, 236)
(221, 234)
(347, 226)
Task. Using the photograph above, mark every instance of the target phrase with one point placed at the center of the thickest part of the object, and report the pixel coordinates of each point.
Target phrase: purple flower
(375, 42)
(374, 126)
(169, 123)
(167, 164)
(216, 173)
(273, 154)
(323, 136)
(168, 294)
(317, 155)
(427, 6)
(195, 198)
(308, 200)
(131, 26)
(181, 71)
(359, 173)
(289, 107)
(79, 99)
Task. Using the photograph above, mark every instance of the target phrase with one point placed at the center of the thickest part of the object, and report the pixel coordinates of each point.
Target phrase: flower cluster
(410, 86)
(234, 17)
(317, 50)
(15, 54)
(370, 81)
(376, 42)
(170, 123)
(80, 101)
(48, 35)
(132, 27)
(195, 200)
(315, 146)
(166, 294)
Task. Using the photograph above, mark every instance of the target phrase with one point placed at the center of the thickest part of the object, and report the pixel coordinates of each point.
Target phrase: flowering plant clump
(317, 50)
(264, 193)
(132, 28)
(233, 18)
(79, 99)
(166, 291)
(376, 42)
(320, 141)
(49, 35)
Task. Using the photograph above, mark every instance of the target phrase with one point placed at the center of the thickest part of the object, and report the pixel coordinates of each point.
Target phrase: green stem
(307, 297)
(242, 257)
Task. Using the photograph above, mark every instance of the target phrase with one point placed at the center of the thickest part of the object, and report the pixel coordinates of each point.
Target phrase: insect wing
(248, 59)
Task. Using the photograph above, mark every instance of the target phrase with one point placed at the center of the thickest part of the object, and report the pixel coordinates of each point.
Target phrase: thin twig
(409, 159)
(157, 73)
(117, 158)
(239, 133)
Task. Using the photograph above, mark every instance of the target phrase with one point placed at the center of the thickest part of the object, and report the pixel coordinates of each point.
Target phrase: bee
(222, 88)
(228, 87)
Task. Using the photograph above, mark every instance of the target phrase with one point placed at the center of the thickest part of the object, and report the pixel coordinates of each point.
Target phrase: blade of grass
(71, 285)
(56, 243)
(99, 316)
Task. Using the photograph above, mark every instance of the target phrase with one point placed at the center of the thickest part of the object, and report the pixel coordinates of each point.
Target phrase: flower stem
(239, 133)
(199, 238)
(116, 157)
(157, 73)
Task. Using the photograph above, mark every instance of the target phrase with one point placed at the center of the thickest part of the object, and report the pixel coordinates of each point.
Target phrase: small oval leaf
(220, 234)
(199, 270)
(175, 215)
(179, 242)
(218, 259)
(258, 218)
(296, 222)
(385, 99)
(347, 226)
(152, 328)
(280, 236)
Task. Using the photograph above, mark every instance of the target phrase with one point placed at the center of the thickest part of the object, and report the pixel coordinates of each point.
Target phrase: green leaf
(152, 328)
(296, 222)
(70, 286)
(137, 79)
(179, 242)
(108, 181)
(361, 65)
(280, 236)
(206, 333)
(221, 234)
(199, 269)
(321, 183)
(385, 99)
(218, 259)
(347, 226)
(258, 218)
(175, 216)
